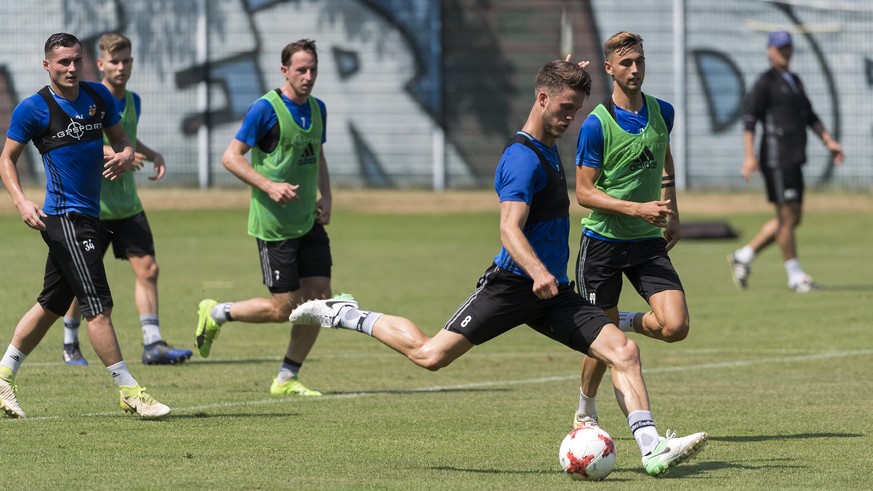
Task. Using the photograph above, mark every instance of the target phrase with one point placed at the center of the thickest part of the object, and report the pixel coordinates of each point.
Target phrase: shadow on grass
(799, 436)
(425, 390)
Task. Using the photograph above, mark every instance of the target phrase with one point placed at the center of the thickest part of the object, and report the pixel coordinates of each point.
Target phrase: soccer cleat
(739, 271)
(73, 355)
(805, 285)
(136, 400)
(207, 329)
(8, 400)
(672, 451)
(581, 419)
(292, 387)
(324, 313)
(161, 353)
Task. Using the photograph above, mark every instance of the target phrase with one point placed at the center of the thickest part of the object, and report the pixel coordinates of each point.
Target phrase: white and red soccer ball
(587, 453)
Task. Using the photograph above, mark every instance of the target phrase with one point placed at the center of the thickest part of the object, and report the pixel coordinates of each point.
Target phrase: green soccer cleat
(137, 400)
(292, 387)
(8, 399)
(207, 329)
(672, 451)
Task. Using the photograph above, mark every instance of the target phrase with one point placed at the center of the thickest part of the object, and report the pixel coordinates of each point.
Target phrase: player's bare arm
(234, 160)
(750, 160)
(122, 160)
(513, 215)
(144, 152)
(589, 196)
(832, 145)
(325, 202)
(673, 229)
(30, 212)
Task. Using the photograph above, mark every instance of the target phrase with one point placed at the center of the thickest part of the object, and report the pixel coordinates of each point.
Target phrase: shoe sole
(11, 412)
(689, 453)
(737, 283)
(176, 361)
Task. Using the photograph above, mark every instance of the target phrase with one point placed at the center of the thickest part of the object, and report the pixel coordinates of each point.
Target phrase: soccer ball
(587, 453)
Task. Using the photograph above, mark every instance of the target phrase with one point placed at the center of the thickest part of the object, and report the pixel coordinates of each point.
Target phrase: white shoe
(739, 271)
(805, 285)
(581, 419)
(672, 451)
(324, 313)
(137, 400)
(8, 400)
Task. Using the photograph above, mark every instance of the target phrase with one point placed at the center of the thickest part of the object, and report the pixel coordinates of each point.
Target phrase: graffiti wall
(424, 86)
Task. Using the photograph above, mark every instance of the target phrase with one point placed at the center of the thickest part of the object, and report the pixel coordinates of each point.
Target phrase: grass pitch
(780, 381)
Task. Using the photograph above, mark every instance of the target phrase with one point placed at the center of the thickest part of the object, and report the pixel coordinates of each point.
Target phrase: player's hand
(655, 212)
(672, 231)
(139, 160)
(750, 168)
(117, 164)
(836, 150)
(322, 209)
(545, 286)
(31, 213)
(582, 64)
(159, 168)
(283, 192)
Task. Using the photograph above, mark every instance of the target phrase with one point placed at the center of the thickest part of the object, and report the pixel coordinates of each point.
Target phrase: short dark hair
(60, 40)
(299, 45)
(557, 75)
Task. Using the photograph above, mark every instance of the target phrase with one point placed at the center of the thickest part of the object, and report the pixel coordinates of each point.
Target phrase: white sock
(643, 428)
(359, 320)
(221, 313)
(626, 321)
(795, 272)
(151, 330)
(71, 329)
(744, 254)
(12, 359)
(120, 375)
(586, 405)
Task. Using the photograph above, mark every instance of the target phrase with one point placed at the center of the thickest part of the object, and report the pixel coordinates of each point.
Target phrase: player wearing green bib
(624, 175)
(122, 216)
(285, 130)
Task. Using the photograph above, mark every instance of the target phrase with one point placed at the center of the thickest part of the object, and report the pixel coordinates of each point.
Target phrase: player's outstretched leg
(672, 451)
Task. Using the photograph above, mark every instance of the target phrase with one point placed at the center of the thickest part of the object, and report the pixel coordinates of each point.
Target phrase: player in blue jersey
(122, 214)
(527, 283)
(624, 174)
(66, 121)
(284, 130)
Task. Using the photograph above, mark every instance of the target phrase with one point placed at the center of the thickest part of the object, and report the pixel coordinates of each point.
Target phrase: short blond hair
(112, 42)
(622, 42)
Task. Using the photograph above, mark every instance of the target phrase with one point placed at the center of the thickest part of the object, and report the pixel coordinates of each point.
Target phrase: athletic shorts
(784, 183)
(129, 236)
(601, 263)
(504, 300)
(74, 267)
(284, 262)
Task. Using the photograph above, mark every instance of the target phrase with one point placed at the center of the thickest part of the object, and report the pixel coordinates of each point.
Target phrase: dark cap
(779, 39)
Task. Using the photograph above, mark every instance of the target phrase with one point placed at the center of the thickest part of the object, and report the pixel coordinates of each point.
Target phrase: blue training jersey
(519, 177)
(261, 117)
(74, 172)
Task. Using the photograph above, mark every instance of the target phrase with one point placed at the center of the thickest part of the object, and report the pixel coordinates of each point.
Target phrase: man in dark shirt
(779, 100)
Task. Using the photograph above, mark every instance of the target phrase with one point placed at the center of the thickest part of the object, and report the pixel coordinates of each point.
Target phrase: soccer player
(285, 130)
(66, 121)
(122, 215)
(527, 283)
(779, 100)
(624, 175)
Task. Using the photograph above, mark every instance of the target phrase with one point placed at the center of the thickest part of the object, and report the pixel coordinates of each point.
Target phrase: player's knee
(626, 355)
(151, 272)
(675, 330)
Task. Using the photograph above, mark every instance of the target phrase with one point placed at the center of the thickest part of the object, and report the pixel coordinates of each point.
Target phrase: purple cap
(779, 39)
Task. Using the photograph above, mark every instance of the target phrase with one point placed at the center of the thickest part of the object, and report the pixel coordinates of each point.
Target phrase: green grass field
(782, 382)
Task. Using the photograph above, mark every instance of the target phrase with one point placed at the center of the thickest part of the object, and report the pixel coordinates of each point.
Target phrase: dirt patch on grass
(418, 201)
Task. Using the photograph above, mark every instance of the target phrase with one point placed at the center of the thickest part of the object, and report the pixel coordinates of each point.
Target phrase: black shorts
(284, 262)
(784, 183)
(601, 263)
(129, 236)
(74, 267)
(503, 301)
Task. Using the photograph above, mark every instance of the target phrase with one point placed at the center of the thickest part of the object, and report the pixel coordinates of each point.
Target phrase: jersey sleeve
(668, 113)
(589, 146)
(323, 119)
(519, 174)
(257, 123)
(756, 104)
(137, 104)
(29, 119)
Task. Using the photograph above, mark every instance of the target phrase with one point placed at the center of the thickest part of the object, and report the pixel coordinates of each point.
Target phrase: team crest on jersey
(92, 110)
